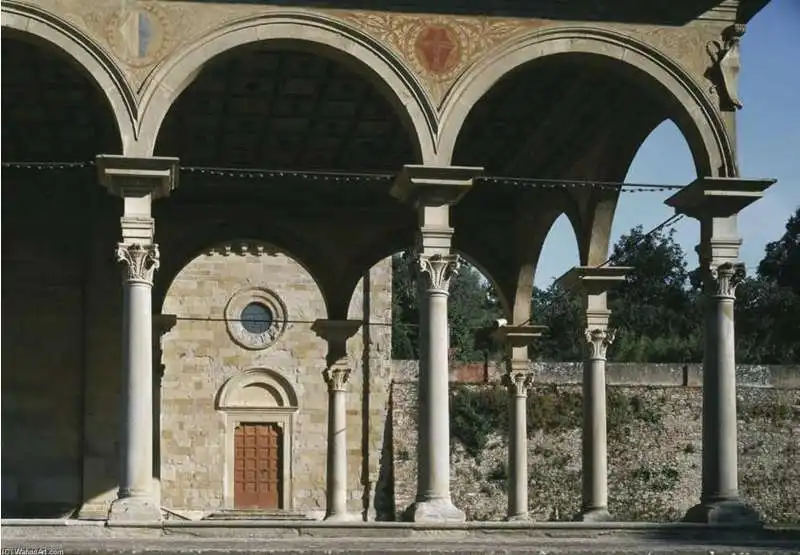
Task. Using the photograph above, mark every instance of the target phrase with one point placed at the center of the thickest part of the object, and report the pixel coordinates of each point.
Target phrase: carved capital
(438, 270)
(724, 278)
(336, 377)
(518, 382)
(141, 262)
(598, 341)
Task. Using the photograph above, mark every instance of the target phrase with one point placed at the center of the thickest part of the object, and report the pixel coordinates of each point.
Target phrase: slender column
(432, 190)
(138, 181)
(337, 378)
(716, 203)
(135, 499)
(337, 374)
(595, 448)
(518, 380)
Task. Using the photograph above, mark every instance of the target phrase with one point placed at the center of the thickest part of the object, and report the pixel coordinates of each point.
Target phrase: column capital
(424, 185)
(598, 341)
(438, 270)
(337, 377)
(140, 262)
(722, 279)
(127, 176)
(518, 381)
(717, 197)
(336, 333)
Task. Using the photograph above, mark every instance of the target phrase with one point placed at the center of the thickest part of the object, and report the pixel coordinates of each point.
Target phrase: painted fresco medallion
(138, 35)
(438, 49)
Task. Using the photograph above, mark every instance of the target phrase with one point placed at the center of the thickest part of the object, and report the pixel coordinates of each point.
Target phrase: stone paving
(396, 546)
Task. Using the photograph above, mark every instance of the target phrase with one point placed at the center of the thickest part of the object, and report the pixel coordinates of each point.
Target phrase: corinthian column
(594, 444)
(431, 191)
(518, 380)
(716, 203)
(138, 181)
(593, 283)
(336, 374)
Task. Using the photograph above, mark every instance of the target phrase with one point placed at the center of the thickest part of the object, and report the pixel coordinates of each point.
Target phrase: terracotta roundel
(437, 48)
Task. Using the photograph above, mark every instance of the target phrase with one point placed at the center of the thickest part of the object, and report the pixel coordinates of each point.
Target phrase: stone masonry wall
(654, 415)
(199, 356)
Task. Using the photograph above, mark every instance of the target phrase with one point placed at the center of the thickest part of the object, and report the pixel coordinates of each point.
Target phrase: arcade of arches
(252, 182)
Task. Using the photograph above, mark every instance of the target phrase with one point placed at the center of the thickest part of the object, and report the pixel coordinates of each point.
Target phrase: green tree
(781, 263)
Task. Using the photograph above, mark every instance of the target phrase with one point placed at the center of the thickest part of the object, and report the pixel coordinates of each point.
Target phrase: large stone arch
(30, 22)
(700, 123)
(317, 33)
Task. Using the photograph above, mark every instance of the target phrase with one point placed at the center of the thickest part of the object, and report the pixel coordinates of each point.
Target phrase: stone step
(256, 514)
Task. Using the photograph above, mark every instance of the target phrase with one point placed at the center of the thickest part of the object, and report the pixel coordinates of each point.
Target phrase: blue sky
(769, 146)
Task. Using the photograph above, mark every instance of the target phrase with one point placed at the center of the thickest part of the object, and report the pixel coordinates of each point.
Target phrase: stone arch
(700, 122)
(270, 390)
(311, 31)
(31, 22)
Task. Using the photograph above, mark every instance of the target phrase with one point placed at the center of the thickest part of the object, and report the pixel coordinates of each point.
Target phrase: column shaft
(337, 455)
(137, 391)
(518, 457)
(720, 452)
(594, 440)
(437, 407)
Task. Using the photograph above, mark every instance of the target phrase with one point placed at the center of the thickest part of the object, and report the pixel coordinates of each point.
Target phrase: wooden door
(257, 466)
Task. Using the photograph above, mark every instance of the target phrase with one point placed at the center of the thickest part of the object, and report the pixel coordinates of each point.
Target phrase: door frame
(284, 419)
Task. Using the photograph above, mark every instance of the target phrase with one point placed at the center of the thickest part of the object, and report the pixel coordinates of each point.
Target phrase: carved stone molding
(724, 279)
(518, 382)
(725, 65)
(336, 377)
(598, 341)
(141, 262)
(438, 270)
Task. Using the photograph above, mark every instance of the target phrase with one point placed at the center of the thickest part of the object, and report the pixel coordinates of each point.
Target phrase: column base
(519, 517)
(728, 511)
(343, 517)
(436, 510)
(594, 515)
(139, 509)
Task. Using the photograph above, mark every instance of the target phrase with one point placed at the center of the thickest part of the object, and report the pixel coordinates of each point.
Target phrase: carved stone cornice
(598, 340)
(724, 278)
(141, 262)
(438, 270)
(336, 377)
(518, 381)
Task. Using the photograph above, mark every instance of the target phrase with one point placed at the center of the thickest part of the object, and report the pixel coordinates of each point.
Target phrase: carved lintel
(438, 270)
(140, 262)
(724, 278)
(598, 341)
(724, 70)
(518, 381)
(336, 377)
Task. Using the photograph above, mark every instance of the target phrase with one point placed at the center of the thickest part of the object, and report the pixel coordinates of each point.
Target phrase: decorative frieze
(140, 262)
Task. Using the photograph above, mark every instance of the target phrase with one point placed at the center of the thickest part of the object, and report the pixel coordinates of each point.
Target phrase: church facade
(199, 199)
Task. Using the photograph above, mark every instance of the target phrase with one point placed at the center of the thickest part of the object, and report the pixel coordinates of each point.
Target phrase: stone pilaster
(716, 202)
(594, 283)
(431, 191)
(337, 374)
(138, 181)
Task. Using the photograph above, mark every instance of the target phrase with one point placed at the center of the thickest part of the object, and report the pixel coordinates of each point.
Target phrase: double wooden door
(258, 461)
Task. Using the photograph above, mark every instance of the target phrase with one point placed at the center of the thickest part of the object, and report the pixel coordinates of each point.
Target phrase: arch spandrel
(697, 116)
(30, 22)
